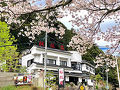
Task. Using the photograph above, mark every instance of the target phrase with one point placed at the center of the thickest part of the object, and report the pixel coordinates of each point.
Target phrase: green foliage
(3, 4)
(67, 84)
(8, 54)
(72, 84)
(23, 69)
(50, 79)
(67, 38)
(98, 78)
(103, 88)
(96, 87)
(112, 75)
(91, 54)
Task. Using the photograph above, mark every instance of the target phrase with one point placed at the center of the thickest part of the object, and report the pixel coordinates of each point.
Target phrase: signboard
(51, 45)
(81, 87)
(61, 77)
(26, 79)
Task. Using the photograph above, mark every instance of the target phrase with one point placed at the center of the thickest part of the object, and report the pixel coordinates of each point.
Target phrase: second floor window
(76, 66)
(63, 63)
(51, 62)
(79, 67)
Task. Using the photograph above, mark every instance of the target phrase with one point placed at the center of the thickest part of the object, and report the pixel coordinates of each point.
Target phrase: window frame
(49, 60)
(77, 66)
(61, 61)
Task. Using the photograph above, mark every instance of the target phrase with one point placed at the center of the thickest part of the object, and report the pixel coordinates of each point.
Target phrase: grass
(16, 88)
(21, 88)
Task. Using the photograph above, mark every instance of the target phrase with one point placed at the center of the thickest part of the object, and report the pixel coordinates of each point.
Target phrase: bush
(72, 84)
(103, 88)
(96, 87)
(67, 84)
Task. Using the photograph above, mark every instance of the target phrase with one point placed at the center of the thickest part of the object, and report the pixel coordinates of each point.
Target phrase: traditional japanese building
(76, 69)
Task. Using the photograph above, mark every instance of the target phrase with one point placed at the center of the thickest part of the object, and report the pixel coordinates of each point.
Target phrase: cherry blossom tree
(95, 13)
(103, 59)
(81, 42)
(12, 10)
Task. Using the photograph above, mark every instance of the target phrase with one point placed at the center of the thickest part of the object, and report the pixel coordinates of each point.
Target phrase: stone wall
(6, 78)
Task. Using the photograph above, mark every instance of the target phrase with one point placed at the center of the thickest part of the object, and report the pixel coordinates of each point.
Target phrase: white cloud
(102, 42)
(65, 20)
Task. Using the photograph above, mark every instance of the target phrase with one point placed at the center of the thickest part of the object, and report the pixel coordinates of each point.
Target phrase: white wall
(26, 58)
(56, 55)
(87, 70)
(84, 67)
(38, 54)
(37, 58)
(76, 56)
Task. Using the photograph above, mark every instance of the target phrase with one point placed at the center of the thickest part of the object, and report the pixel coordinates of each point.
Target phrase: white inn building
(76, 69)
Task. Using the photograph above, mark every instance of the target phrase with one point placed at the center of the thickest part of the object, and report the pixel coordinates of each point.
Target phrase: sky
(107, 23)
(42, 3)
(100, 43)
(104, 49)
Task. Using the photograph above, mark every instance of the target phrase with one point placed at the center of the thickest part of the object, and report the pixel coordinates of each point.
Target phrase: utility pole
(45, 60)
(107, 87)
(117, 71)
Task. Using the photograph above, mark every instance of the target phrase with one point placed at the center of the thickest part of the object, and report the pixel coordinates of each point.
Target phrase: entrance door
(73, 79)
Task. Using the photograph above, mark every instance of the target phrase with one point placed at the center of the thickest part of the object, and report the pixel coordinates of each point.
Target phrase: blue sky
(104, 49)
(42, 3)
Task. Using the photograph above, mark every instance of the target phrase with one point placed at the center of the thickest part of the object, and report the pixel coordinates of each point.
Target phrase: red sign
(61, 77)
(62, 47)
(52, 45)
(41, 43)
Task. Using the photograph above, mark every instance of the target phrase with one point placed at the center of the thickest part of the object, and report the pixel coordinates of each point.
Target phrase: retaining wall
(6, 78)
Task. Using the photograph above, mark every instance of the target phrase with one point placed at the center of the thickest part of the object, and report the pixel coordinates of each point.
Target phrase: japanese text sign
(61, 77)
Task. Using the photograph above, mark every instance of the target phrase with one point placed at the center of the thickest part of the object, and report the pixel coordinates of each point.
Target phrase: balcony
(76, 66)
